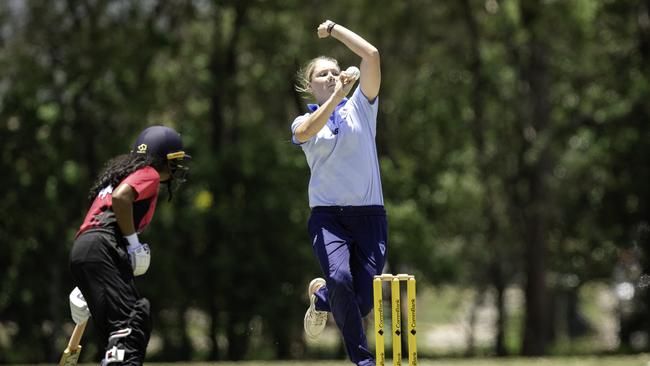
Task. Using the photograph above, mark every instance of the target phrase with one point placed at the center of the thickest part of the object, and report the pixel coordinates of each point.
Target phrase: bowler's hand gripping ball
(353, 72)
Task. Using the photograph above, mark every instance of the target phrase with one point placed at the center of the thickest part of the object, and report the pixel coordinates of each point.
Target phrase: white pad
(78, 306)
(140, 256)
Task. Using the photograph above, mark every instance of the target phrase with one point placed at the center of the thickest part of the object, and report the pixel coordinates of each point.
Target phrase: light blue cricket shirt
(342, 156)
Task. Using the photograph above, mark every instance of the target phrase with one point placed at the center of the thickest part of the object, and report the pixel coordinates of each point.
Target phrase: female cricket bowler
(347, 225)
(107, 252)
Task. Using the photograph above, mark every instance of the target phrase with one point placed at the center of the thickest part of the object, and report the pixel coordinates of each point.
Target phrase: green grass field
(636, 360)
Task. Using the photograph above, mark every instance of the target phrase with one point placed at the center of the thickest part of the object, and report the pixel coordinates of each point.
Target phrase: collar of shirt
(314, 107)
(333, 122)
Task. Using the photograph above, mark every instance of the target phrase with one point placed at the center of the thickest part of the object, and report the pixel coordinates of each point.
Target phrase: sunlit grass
(634, 360)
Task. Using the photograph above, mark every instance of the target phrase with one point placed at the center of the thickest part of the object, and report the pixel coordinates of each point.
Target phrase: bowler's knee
(340, 283)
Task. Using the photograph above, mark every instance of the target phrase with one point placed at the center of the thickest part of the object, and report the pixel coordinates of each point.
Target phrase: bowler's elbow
(373, 53)
(301, 136)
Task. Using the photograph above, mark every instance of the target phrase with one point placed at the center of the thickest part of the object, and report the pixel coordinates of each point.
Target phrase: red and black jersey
(145, 181)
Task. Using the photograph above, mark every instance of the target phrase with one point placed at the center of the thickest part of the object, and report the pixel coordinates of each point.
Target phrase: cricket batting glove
(78, 306)
(139, 254)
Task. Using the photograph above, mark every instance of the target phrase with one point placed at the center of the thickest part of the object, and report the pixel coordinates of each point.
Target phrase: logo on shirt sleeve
(343, 112)
(105, 192)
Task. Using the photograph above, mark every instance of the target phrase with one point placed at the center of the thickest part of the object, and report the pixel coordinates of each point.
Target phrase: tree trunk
(238, 336)
(282, 344)
(485, 168)
(214, 322)
(224, 95)
(470, 338)
(534, 174)
(500, 327)
(535, 325)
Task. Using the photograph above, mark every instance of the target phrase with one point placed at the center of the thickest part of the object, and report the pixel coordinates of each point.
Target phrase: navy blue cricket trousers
(350, 245)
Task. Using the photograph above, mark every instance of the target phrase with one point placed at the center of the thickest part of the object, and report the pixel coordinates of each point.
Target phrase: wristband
(133, 239)
(330, 27)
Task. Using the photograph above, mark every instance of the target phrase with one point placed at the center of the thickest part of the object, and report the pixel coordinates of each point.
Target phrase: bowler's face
(323, 80)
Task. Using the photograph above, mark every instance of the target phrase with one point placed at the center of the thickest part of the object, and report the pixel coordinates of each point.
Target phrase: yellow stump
(396, 316)
(412, 333)
(379, 322)
(396, 311)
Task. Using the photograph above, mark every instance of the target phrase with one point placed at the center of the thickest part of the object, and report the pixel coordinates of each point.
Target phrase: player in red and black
(107, 252)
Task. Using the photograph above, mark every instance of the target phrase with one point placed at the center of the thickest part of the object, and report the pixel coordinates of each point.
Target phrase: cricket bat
(71, 354)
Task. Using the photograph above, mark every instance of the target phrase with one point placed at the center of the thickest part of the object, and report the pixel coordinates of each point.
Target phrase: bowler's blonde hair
(306, 72)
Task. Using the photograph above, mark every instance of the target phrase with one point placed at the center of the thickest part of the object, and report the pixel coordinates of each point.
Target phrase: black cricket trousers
(101, 269)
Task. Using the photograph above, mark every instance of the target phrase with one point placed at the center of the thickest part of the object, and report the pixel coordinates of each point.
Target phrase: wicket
(396, 318)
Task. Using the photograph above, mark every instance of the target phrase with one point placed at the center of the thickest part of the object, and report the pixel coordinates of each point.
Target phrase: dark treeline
(514, 138)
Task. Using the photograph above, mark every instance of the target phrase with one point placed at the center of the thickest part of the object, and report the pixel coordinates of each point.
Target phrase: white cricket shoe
(315, 320)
